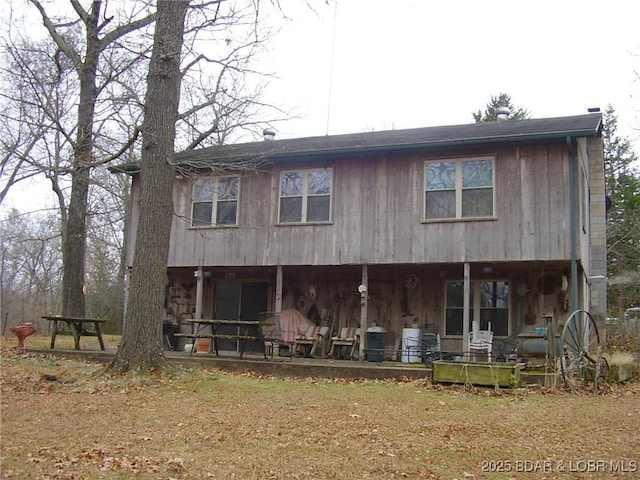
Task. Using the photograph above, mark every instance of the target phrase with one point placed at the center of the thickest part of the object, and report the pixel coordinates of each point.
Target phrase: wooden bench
(78, 329)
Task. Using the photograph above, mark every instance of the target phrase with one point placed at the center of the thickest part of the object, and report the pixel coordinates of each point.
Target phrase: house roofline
(508, 132)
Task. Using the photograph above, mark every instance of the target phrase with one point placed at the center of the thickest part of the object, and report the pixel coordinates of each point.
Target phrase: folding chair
(314, 338)
(349, 337)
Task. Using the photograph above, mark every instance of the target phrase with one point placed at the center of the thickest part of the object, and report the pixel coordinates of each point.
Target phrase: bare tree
(95, 62)
(105, 248)
(36, 128)
(96, 42)
(141, 345)
(30, 266)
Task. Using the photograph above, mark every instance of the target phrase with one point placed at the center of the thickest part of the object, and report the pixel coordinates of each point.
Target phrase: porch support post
(199, 288)
(466, 308)
(278, 306)
(363, 310)
(475, 321)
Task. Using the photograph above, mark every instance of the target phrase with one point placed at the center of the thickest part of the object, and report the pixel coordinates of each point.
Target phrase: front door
(239, 301)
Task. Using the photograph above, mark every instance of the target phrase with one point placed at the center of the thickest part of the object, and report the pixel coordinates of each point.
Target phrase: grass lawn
(66, 419)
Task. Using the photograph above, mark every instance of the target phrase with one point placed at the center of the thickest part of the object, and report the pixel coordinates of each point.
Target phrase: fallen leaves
(104, 461)
(66, 422)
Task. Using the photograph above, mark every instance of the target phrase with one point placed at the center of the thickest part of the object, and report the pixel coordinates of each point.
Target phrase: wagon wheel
(581, 360)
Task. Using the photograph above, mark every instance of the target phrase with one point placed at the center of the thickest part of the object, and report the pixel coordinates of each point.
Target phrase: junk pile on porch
(570, 354)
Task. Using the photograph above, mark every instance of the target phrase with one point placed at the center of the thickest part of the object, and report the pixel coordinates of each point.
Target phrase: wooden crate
(501, 374)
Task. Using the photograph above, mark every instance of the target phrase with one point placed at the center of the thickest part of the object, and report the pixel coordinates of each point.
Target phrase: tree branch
(57, 38)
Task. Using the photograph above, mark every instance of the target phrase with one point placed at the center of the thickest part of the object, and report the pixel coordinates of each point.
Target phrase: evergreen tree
(622, 182)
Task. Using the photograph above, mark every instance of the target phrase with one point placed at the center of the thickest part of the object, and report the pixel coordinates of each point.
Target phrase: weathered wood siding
(377, 209)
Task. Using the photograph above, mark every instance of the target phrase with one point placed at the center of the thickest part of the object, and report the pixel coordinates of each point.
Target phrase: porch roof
(393, 141)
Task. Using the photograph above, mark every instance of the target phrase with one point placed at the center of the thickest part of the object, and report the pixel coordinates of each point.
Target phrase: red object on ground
(202, 346)
(22, 332)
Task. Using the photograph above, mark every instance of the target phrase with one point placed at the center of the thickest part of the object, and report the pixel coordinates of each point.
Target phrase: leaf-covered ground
(66, 419)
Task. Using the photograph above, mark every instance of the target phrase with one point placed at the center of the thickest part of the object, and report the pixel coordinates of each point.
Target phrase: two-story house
(392, 227)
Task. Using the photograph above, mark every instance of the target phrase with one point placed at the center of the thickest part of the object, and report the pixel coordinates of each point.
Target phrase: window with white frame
(215, 201)
(456, 189)
(305, 196)
(489, 303)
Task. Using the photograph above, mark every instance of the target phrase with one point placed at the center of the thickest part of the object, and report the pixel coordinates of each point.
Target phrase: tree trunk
(73, 249)
(74, 237)
(141, 346)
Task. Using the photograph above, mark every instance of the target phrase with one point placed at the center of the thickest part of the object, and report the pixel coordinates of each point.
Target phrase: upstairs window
(456, 189)
(215, 201)
(305, 196)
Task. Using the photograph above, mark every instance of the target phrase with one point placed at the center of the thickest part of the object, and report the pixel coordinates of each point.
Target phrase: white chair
(482, 343)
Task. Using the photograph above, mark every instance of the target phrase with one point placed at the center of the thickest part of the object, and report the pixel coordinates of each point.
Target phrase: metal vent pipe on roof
(503, 113)
(268, 133)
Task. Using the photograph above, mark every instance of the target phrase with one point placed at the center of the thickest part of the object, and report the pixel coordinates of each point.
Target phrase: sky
(370, 65)
(367, 65)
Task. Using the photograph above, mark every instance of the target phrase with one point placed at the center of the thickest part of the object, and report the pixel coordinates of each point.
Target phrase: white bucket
(411, 338)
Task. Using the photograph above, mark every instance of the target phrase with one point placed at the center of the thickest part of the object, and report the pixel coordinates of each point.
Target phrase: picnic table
(78, 328)
(245, 331)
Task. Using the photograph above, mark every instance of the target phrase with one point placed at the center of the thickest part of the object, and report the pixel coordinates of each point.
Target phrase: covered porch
(396, 302)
